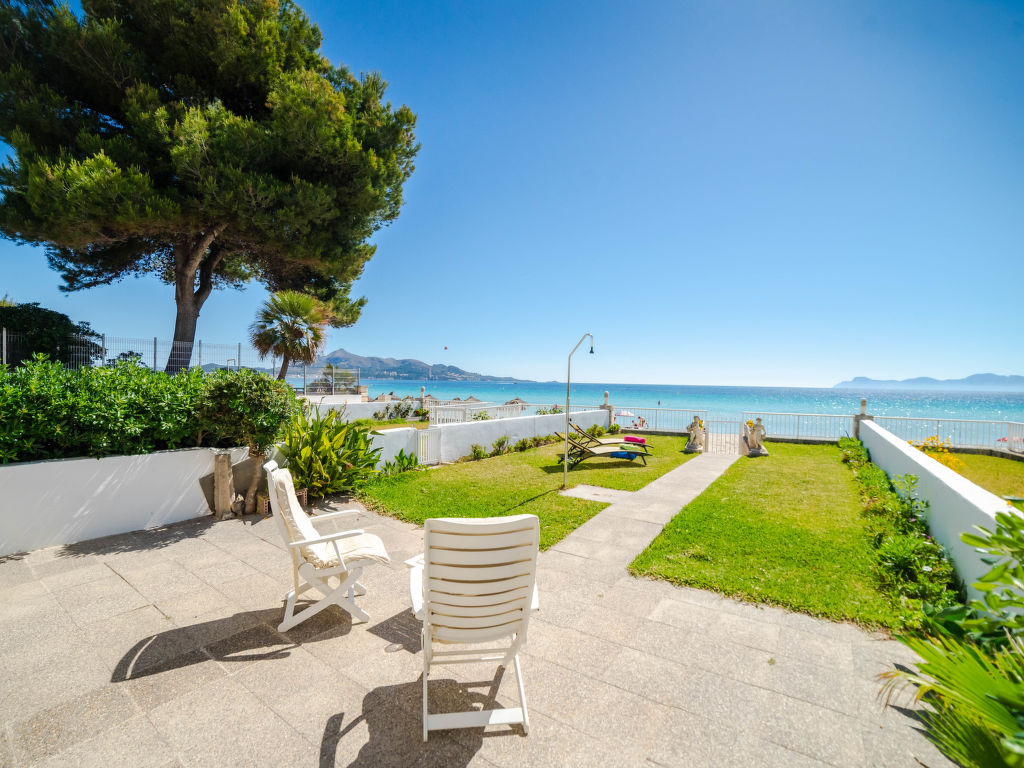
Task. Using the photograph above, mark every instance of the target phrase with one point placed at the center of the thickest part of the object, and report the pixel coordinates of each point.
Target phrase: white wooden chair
(475, 584)
(329, 563)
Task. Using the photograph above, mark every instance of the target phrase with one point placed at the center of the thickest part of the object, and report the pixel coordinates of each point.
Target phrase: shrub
(481, 416)
(595, 430)
(246, 408)
(391, 411)
(500, 446)
(327, 456)
(909, 564)
(403, 462)
(50, 412)
(477, 451)
(614, 429)
(523, 445)
(938, 449)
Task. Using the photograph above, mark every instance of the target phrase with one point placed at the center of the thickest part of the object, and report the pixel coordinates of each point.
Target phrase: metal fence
(76, 351)
(723, 435)
(803, 426)
(958, 433)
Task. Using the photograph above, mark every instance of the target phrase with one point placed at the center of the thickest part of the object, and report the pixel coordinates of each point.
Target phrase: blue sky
(750, 193)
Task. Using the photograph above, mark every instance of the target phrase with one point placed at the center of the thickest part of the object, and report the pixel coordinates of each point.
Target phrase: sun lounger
(588, 439)
(579, 452)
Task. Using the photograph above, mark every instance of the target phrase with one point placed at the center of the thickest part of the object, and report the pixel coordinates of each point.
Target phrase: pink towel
(632, 439)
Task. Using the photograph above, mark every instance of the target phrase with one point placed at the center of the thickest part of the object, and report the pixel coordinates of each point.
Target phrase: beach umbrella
(628, 414)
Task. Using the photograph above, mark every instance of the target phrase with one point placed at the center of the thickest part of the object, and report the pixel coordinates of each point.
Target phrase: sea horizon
(727, 400)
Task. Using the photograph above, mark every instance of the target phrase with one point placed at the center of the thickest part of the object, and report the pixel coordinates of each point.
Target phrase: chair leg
(335, 596)
(522, 695)
(360, 589)
(426, 672)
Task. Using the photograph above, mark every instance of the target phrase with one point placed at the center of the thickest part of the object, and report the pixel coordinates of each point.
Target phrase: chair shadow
(241, 637)
(403, 631)
(394, 728)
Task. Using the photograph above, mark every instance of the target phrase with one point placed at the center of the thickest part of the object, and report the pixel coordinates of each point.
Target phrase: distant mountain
(392, 368)
(987, 382)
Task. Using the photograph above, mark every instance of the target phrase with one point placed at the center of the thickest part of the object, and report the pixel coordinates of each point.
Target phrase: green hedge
(50, 412)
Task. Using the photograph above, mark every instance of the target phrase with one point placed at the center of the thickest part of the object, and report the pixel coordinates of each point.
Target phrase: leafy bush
(403, 462)
(327, 456)
(614, 429)
(246, 408)
(477, 451)
(423, 413)
(50, 412)
(523, 445)
(481, 416)
(971, 677)
(909, 564)
(595, 430)
(500, 446)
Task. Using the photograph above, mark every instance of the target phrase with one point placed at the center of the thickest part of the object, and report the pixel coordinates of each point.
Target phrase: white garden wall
(955, 504)
(391, 441)
(63, 501)
(456, 439)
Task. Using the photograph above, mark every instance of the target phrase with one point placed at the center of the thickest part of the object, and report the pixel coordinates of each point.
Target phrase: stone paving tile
(133, 743)
(73, 673)
(72, 577)
(814, 648)
(811, 730)
(223, 724)
(57, 728)
(171, 678)
(100, 599)
(14, 571)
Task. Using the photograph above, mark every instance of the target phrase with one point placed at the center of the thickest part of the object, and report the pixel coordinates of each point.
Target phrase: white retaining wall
(456, 439)
(63, 501)
(391, 441)
(955, 504)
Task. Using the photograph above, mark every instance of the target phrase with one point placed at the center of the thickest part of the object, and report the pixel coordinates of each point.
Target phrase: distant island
(391, 368)
(987, 382)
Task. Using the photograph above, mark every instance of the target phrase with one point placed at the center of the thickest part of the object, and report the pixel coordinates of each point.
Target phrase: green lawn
(785, 530)
(518, 483)
(1004, 477)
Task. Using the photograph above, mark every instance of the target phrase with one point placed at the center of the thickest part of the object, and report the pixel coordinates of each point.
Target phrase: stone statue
(698, 436)
(754, 437)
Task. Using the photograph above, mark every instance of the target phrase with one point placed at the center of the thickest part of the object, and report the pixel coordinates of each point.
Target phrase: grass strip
(785, 530)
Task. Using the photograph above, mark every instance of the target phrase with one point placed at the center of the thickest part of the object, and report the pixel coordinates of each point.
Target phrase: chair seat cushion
(365, 546)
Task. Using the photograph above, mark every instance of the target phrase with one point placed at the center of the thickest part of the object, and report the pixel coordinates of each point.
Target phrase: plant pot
(263, 502)
(302, 494)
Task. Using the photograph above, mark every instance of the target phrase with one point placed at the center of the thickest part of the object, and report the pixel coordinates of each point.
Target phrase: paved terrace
(159, 648)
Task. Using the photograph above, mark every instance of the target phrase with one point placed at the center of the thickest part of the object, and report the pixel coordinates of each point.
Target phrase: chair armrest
(416, 590)
(324, 538)
(333, 515)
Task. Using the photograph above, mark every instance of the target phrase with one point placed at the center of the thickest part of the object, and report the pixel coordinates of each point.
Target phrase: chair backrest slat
(479, 576)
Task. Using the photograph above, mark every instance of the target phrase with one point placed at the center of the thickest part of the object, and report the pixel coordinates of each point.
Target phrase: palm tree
(290, 324)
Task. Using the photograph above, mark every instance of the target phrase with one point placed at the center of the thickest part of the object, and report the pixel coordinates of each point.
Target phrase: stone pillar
(423, 394)
(862, 416)
(606, 406)
(223, 485)
(364, 393)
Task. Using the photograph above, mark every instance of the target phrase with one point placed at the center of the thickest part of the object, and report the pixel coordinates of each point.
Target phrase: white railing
(803, 426)
(958, 433)
(435, 403)
(656, 419)
(535, 409)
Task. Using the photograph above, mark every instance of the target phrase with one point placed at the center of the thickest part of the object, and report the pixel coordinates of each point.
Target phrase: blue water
(729, 401)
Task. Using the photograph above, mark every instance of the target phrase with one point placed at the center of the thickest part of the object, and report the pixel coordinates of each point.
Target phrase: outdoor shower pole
(568, 379)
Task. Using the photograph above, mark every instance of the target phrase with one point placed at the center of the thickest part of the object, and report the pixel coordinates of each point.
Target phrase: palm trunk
(284, 367)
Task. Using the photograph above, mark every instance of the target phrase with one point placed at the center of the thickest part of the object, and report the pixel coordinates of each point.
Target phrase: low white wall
(456, 439)
(63, 501)
(955, 504)
(335, 400)
(391, 441)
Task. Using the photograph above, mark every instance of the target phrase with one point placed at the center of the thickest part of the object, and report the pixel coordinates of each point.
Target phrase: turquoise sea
(729, 402)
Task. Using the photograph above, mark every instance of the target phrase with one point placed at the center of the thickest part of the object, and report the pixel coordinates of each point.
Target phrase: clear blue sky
(753, 193)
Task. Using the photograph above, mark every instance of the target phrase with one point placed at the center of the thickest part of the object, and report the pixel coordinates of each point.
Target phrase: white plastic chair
(320, 558)
(475, 584)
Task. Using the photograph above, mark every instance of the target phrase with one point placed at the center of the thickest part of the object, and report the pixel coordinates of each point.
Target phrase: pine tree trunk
(184, 332)
(284, 367)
